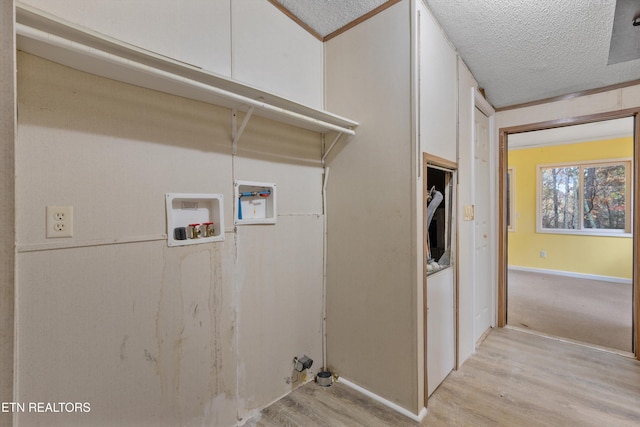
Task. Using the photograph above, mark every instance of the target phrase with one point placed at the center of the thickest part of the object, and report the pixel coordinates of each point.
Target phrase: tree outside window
(588, 198)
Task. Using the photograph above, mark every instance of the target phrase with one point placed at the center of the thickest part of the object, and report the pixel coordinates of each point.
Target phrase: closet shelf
(52, 38)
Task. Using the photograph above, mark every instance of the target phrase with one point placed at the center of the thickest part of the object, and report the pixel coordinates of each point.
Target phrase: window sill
(586, 233)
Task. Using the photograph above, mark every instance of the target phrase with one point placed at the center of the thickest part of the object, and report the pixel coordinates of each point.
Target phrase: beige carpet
(589, 311)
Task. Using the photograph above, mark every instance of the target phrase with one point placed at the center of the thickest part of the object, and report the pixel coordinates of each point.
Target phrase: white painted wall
(279, 268)
(149, 334)
(204, 334)
(371, 288)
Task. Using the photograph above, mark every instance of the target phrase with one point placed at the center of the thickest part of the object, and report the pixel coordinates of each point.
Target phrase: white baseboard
(395, 407)
(572, 274)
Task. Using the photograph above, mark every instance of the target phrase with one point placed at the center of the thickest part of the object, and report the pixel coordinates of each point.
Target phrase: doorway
(569, 213)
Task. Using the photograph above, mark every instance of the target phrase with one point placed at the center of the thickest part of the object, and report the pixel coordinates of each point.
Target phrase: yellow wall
(598, 255)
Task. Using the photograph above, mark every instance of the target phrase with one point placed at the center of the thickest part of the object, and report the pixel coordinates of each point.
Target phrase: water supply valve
(302, 363)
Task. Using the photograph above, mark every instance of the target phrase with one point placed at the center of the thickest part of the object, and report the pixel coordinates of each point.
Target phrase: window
(585, 198)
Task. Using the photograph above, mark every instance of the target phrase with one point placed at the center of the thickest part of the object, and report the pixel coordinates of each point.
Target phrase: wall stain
(169, 327)
(195, 310)
(123, 348)
(149, 357)
(216, 312)
(192, 325)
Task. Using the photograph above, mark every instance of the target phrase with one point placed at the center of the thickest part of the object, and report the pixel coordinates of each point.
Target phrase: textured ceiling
(327, 16)
(518, 50)
(525, 50)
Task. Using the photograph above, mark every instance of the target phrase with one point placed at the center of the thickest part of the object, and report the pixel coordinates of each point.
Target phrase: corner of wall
(7, 205)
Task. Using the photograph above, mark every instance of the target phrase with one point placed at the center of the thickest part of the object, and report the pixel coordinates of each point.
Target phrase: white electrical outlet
(59, 221)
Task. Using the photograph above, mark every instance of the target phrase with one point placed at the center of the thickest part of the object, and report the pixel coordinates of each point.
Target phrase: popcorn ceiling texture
(326, 16)
(523, 50)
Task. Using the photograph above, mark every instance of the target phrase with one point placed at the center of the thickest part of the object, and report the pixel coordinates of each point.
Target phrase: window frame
(627, 232)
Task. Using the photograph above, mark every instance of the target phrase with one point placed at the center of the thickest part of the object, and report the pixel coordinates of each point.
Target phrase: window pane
(559, 197)
(604, 197)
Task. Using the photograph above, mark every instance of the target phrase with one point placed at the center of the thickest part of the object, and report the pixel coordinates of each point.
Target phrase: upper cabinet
(438, 88)
(272, 52)
(193, 32)
(74, 45)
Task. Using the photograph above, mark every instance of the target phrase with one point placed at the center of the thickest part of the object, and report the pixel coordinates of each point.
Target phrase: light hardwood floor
(514, 379)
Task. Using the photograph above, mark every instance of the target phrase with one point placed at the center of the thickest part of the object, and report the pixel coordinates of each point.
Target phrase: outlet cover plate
(59, 221)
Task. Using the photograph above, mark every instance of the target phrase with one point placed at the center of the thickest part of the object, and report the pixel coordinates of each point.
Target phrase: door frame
(428, 159)
(502, 228)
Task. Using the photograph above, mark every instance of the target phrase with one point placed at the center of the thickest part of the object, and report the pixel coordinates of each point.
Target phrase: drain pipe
(324, 270)
(324, 377)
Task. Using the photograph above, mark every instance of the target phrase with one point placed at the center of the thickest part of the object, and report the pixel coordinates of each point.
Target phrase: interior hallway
(514, 379)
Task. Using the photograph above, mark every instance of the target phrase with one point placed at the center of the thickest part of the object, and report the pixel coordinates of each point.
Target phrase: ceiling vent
(625, 36)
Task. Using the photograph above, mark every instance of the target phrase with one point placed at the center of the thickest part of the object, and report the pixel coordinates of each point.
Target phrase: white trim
(395, 407)
(72, 244)
(570, 341)
(480, 102)
(572, 274)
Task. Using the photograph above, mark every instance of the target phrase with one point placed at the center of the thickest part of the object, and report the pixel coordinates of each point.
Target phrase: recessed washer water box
(194, 218)
(255, 202)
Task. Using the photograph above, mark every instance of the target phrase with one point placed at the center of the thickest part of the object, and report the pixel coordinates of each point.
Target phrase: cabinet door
(440, 327)
(437, 98)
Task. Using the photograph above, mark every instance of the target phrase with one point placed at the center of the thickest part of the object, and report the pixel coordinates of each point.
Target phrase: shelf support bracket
(333, 144)
(235, 132)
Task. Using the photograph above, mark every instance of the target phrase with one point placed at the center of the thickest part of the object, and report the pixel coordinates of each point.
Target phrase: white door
(482, 269)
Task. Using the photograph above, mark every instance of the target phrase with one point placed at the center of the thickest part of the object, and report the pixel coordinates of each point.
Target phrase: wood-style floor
(514, 379)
